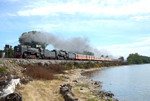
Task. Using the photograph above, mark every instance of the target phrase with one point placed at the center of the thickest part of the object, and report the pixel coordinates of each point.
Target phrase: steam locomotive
(25, 51)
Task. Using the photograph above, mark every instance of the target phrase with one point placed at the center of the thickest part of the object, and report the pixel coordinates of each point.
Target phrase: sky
(119, 27)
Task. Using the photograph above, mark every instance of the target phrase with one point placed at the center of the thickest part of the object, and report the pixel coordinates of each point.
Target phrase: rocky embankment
(67, 86)
(85, 89)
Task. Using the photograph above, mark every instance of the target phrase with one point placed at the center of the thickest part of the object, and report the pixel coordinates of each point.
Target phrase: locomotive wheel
(37, 56)
(25, 55)
(65, 58)
(42, 56)
(58, 57)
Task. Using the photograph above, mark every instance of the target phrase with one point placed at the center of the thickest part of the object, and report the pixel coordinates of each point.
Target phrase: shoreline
(86, 86)
(83, 88)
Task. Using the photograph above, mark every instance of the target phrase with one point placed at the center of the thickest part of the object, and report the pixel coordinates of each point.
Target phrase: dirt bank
(49, 90)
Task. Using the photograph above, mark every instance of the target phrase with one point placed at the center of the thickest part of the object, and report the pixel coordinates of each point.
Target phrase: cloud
(141, 18)
(50, 8)
(10, 14)
(46, 27)
(11, 41)
(96, 7)
(141, 47)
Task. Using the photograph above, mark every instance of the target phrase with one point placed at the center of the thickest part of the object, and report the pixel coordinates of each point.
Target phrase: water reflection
(91, 73)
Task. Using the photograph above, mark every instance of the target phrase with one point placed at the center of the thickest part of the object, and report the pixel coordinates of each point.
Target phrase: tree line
(137, 59)
(8, 51)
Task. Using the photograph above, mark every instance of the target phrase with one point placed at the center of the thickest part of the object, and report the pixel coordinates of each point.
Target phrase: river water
(128, 83)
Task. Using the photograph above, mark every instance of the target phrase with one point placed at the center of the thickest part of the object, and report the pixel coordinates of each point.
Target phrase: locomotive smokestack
(76, 44)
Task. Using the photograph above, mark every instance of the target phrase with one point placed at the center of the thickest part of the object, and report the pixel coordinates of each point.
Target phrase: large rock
(3, 84)
(103, 94)
(24, 80)
(65, 90)
(13, 97)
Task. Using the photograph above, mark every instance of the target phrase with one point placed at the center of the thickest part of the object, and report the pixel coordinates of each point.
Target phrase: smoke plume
(76, 44)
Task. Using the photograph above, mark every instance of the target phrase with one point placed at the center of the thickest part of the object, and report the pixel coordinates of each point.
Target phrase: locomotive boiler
(25, 51)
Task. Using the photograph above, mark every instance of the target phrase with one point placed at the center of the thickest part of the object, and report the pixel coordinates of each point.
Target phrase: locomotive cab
(19, 50)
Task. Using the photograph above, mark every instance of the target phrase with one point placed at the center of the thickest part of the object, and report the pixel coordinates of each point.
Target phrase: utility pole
(6, 48)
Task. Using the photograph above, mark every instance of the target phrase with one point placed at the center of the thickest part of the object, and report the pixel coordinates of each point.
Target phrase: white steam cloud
(76, 44)
(72, 44)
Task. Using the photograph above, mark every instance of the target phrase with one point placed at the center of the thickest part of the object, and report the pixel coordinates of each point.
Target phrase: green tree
(102, 55)
(121, 58)
(107, 56)
(1, 53)
(9, 52)
(137, 59)
(88, 53)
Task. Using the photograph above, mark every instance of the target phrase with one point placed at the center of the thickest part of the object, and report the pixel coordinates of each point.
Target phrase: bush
(73, 65)
(56, 68)
(43, 72)
(39, 73)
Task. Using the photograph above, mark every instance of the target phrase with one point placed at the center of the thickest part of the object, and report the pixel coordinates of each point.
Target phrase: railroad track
(46, 60)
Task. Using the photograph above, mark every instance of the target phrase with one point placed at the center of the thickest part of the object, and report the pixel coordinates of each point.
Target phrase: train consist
(24, 51)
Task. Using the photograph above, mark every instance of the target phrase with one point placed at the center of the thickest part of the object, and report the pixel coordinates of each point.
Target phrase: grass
(3, 70)
(1, 62)
(27, 60)
(39, 90)
(109, 99)
(82, 85)
(12, 61)
(87, 65)
(92, 99)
